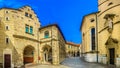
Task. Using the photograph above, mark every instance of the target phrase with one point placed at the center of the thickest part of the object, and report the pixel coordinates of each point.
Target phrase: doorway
(112, 55)
(47, 54)
(7, 61)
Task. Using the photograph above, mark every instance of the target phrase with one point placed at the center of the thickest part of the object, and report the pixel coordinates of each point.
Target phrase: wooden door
(28, 60)
(7, 61)
(112, 55)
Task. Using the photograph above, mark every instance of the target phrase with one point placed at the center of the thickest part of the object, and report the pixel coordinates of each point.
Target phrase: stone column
(44, 57)
(47, 57)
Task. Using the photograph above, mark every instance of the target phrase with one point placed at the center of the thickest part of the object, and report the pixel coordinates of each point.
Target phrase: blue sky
(66, 13)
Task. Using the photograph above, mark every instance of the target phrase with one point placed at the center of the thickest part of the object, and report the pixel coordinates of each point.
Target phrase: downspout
(38, 45)
(51, 44)
(96, 37)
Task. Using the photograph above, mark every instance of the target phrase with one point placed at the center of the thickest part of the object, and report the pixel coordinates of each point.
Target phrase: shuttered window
(27, 29)
(31, 30)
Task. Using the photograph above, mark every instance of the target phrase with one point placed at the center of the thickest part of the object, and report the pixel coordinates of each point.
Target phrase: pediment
(109, 16)
(111, 41)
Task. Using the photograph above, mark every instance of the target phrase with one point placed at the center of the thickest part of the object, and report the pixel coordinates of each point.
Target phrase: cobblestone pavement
(73, 62)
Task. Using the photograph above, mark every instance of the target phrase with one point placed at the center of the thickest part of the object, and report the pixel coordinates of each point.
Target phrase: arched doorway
(47, 54)
(28, 54)
(68, 54)
(111, 46)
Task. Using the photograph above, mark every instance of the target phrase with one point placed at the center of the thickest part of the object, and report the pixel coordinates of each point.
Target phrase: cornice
(48, 40)
(24, 37)
(103, 2)
(108, 9)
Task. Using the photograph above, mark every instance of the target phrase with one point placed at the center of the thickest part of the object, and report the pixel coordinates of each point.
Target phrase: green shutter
(31, 30)
(46, 35)
(27, 29)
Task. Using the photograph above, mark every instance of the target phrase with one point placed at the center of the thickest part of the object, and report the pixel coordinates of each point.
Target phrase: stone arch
(78, 53)
(72, 53)
(91, 27)
(68, 53)
(28, 54)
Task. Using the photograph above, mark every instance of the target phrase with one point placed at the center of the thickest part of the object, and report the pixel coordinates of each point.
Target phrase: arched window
(93, 38)
(46, 34)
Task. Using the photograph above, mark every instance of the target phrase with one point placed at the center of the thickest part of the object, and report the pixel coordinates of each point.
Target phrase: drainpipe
(96, 36)
(51, 45)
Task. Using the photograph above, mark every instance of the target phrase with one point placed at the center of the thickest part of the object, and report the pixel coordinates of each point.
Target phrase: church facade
(107, 32)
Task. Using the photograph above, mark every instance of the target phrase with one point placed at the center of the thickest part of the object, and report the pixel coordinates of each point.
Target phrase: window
(6, 11)
(92, 20)
(7, 40)
(28, 9)
(69, 46)
(30, 15)
(46, 34)
(31, 30)
(6, 28)
(83, 34)
(27, 29)
(110, 3)
(93, 38)
(26, 14)
(7, 18)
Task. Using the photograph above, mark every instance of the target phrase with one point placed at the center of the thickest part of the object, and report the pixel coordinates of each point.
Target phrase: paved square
(73, 62)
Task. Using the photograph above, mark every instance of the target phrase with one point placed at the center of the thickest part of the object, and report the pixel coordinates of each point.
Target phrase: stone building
(72, 49)
(21, 38)
(108, 35)
(88, 29)
(52, 44)
(18, 36)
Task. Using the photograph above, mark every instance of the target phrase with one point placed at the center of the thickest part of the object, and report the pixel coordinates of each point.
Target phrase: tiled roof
(73, 44)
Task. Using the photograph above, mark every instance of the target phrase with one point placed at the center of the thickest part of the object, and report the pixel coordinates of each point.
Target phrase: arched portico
(47, 54)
